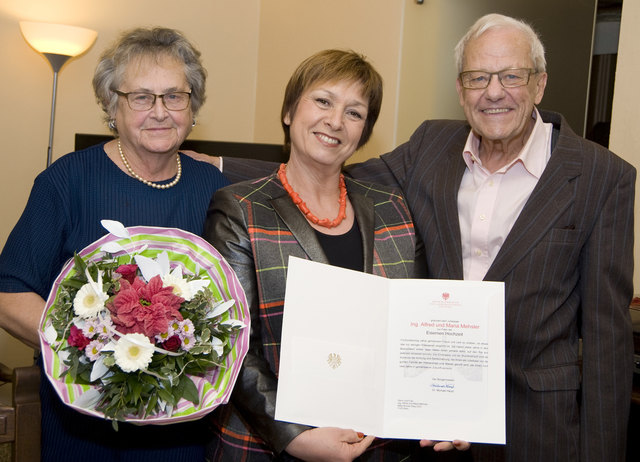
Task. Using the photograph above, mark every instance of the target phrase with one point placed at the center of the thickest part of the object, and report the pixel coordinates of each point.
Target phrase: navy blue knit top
(69, 199)
(62, 216)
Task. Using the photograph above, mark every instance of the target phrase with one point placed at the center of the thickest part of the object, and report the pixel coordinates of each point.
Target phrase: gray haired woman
(150, 84)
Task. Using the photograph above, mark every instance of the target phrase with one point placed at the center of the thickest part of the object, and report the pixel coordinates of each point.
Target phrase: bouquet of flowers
(147, 325)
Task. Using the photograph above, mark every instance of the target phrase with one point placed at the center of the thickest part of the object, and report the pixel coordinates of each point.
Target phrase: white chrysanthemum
(186, 328)
(182, 287)
(188, 342)
(104, 327)
(133, 352)
(162, 337)
(88, 301)
(89, 329)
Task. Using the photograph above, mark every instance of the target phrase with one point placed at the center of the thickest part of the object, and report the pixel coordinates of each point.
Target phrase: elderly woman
(309, 210)
(150, 84)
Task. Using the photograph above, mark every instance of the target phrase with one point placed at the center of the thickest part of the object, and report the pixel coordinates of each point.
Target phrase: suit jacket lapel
(445, 209)
(551, 196)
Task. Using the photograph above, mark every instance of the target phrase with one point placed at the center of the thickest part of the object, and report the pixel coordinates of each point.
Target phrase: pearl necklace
(325, 222)
(147, 182)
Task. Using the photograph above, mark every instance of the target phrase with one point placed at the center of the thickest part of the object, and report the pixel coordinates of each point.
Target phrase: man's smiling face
(496, 113)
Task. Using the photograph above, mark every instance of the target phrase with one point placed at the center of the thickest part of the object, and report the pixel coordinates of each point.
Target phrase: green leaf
(158, 358)
(80, 265)
(72, 283)
(180, 362)
(73, 368)
(149, 379)
(118, 377)
(196, 350)
(135, 386)
(166, 396)
(151, 405)
(114, 401)
(188, 390)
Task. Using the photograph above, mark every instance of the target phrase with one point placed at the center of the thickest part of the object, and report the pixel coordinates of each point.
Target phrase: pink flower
(128, 272)
(145, 308)
(76, 338)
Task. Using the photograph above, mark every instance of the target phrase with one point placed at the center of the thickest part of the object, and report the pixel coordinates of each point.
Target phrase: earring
(193, 124)
(112, 124)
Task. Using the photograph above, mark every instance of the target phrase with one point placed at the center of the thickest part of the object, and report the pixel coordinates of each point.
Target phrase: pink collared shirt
(489, 203)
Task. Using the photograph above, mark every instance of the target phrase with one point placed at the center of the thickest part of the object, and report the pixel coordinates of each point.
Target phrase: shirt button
(478, 253)
(490, 182)
(482, 217)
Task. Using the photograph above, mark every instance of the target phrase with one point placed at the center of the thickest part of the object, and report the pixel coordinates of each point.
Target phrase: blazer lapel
(363, 207)
(299, 227)
(549, 199)
(306, 236)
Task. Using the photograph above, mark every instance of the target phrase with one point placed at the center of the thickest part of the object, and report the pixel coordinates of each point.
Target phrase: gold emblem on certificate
(334, 360)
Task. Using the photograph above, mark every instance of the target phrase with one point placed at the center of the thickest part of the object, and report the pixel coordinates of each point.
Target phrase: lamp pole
(56, 61)
(57, 43)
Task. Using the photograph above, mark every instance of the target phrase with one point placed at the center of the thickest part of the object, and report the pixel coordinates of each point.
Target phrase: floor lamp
(58, 43)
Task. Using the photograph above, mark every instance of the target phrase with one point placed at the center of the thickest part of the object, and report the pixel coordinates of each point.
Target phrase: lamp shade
(57, 39)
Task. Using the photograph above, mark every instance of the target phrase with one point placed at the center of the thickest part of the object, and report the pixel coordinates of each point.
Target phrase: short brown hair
(332, 66)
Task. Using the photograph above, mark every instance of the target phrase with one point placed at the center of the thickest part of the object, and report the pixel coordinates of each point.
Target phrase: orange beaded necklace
(325, 222)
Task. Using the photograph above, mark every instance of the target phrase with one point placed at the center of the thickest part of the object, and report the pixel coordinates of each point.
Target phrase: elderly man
(514, 195)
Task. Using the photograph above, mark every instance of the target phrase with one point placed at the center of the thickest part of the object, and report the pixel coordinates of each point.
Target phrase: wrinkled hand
(213, 160)
(328, 444)
(446, 445)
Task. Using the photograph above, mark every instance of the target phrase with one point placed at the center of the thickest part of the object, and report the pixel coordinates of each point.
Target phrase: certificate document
(394, 358)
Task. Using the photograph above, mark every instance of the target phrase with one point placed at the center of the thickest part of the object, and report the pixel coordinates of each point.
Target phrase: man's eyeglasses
(141, 101)
(509, 78)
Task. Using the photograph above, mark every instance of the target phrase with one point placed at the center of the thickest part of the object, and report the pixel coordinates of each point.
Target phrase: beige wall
(625, 119)
(291, 30)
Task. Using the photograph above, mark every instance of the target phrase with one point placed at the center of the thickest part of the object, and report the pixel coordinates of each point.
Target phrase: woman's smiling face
(328, 122)
(157, 130)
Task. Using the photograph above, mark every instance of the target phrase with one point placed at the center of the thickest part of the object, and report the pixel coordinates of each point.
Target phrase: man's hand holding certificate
(394, 358)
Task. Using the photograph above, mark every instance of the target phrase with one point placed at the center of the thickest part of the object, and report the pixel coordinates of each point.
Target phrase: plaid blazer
(256, 227)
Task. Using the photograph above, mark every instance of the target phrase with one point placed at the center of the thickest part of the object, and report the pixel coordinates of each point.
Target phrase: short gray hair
(147, 42)
(494, 20)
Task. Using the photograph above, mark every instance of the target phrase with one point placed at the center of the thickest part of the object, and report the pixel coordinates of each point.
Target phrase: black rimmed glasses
(509, 78)
(142, 101)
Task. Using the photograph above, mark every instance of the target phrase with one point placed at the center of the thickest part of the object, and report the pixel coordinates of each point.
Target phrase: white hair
(494, 20)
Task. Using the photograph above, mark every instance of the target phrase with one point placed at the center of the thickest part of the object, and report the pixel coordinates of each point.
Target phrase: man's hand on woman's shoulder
(213, 160)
